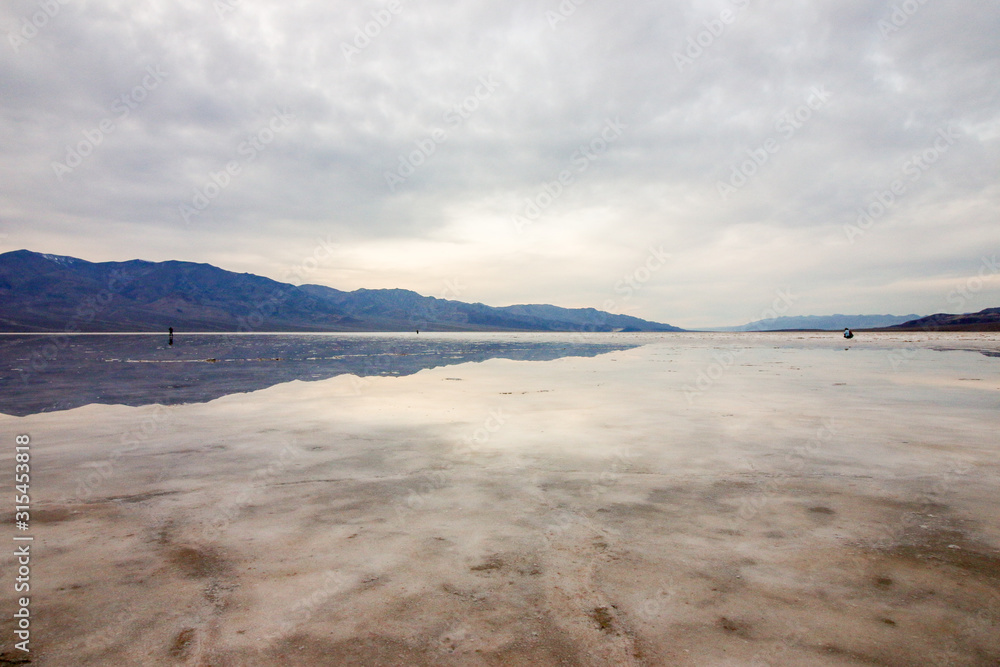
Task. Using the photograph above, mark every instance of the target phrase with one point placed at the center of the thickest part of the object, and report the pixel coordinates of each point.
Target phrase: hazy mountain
(822, 322)
(55, 293)
(984, 320)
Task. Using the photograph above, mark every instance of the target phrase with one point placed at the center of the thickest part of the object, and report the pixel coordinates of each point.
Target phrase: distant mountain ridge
(984, 320)
(822, 322)
(54, 293)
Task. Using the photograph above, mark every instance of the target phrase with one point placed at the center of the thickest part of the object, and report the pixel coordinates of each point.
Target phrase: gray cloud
(698, 89)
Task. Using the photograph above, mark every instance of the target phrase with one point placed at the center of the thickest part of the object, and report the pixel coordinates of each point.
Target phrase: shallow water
(598, 499)
(46, 373)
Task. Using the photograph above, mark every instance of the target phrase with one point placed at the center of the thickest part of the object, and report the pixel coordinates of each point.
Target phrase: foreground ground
(724, 499)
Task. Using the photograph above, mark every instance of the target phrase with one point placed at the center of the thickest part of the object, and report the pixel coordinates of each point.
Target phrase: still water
(459, 499)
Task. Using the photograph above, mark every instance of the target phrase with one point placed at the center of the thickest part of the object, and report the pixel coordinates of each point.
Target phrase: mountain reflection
(49, 373)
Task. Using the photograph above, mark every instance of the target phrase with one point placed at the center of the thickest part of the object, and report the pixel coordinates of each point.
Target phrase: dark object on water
(848, 334)
(418, 330)
(170, 340)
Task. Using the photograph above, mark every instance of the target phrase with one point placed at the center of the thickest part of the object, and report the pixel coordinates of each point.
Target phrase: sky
(698, 163)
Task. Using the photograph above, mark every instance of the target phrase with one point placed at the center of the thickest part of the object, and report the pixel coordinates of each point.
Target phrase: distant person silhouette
(848, 334)
(170, 339)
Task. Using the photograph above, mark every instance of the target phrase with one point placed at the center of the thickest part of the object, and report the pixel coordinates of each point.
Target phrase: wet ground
(719, 499)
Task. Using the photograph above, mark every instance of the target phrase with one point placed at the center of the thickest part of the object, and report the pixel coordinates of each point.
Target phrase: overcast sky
(695, 163)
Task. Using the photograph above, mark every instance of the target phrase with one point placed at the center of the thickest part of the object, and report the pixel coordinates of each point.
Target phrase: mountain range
(822, 323)
(55, 293)
(984, 320)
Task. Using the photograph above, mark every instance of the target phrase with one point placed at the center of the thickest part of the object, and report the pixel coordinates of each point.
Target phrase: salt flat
(698, 499)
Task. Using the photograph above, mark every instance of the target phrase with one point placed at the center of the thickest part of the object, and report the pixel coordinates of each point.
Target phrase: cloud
(752, 134)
